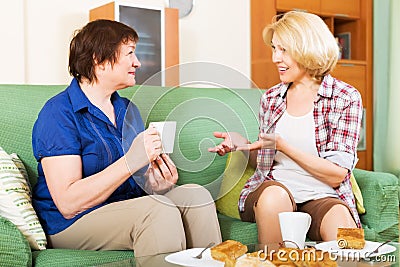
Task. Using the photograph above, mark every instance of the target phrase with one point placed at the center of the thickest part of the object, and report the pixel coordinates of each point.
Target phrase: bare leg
(272, 201)
(337, 216)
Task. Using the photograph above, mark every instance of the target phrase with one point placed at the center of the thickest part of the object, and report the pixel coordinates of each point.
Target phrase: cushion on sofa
(234, 229)
(14, 247)
(15, 200)
(357, 195)
(381, 200)
(237, 172)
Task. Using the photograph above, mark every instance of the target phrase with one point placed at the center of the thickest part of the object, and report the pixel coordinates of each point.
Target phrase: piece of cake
(228, 251)
(350, 238)
(251, 261)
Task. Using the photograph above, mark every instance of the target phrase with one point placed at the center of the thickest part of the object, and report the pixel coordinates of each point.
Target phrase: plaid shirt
(337, 115)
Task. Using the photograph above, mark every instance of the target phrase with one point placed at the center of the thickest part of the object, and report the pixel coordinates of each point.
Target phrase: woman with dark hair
(88, 194)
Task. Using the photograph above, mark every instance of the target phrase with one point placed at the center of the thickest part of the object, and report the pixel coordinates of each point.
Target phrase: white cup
(166, 131)
(294, 228)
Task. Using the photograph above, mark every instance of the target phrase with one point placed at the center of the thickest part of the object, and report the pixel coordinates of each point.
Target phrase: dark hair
(97, 42)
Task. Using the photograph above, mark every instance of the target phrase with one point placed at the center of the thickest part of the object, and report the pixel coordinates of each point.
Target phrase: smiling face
(289, 70)
(123, 72)
(304, 39)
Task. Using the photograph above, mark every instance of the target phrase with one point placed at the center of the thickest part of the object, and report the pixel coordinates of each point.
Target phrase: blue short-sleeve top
(69, 124)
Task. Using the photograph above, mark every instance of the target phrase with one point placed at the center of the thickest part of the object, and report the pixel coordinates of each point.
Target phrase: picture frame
(344, 42)
(362, 142)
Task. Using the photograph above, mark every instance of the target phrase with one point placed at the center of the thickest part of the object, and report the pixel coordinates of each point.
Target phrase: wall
(36, 35)
(12, 49)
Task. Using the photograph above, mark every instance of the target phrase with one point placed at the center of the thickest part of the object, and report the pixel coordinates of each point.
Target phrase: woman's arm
(320, 168)
(72, 194)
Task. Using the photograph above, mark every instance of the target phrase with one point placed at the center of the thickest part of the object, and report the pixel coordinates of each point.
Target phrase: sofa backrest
(20, 105)
(198, 112)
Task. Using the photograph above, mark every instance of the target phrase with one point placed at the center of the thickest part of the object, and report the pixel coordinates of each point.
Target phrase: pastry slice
(228, 251)
(350, 238)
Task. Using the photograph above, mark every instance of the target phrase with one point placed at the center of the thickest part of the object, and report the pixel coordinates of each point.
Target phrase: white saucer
(185, 258)
(333, 248)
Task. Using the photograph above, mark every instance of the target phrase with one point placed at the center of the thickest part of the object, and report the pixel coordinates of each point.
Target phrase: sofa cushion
(15, 200)
(237, 172)
(234, 229)
(381, 200)
(357, 195)
(14, 248)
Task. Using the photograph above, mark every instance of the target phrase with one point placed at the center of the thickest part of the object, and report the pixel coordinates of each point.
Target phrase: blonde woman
(309, 130)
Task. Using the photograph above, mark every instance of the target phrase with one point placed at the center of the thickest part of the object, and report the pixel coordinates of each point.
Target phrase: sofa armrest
(380, 193)
(14, 248)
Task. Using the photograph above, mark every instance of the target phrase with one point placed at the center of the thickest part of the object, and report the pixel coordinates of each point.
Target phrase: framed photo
(362, 143)
(344, 42)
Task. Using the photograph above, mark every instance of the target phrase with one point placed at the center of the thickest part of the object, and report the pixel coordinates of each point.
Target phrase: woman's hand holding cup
(162, 174)
(145, 148)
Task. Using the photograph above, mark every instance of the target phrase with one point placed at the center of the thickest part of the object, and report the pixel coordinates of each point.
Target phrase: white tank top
(300, 133)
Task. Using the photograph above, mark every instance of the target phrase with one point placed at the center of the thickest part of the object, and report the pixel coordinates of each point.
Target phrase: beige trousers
(185, 217)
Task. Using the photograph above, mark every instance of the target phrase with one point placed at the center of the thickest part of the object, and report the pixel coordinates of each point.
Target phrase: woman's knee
(274, 197)
(201, 194)
(339, 213)
(164, 212)
(190, 195)
(161, 230)
(163, 204)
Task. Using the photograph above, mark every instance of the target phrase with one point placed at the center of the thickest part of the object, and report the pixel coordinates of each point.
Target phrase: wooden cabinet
(341, 8)
(304, 5)
(352, 18)
(337, 8)
(354, 73)
(158, 46)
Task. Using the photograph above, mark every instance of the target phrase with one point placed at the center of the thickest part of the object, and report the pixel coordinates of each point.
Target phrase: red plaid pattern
(337, 116)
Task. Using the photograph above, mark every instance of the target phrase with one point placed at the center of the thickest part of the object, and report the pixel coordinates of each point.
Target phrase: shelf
(346, 9)
(341, 8)
(300, 5)
(351, 62)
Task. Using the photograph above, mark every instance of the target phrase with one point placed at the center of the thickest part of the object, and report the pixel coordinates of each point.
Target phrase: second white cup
(294, 228)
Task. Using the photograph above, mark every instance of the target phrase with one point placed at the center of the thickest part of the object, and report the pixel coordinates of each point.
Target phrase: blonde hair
(307, 39)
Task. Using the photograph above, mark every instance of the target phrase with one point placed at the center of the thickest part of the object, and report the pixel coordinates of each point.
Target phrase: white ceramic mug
(166, 131)
(294, 228)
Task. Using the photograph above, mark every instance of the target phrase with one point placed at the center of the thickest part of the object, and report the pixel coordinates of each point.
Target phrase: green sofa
(198, 112)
